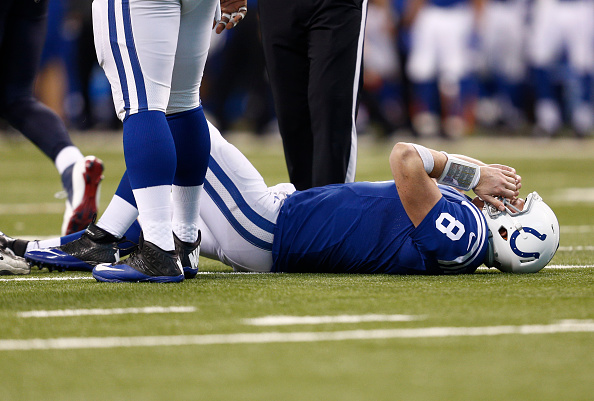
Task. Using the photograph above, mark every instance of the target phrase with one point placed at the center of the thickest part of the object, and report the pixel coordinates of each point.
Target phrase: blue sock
(124, 190)
(586, 88)
(192, 144)
(543, 87)
(149, 150)
(469, 90)
(427, 95)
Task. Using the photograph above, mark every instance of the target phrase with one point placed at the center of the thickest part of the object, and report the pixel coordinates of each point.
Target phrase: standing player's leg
(422, 70)
(189, 128)
(545, 44)
(22, 33)
(24, 29)
(192, 142)
(511, 61)
(455, 67)
(580, 43)
(136, 42)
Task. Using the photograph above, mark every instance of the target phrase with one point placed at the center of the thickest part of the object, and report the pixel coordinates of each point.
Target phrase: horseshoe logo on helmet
(521, 254)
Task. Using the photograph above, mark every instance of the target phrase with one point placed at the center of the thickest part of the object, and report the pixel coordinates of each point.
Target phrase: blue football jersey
(363, 228)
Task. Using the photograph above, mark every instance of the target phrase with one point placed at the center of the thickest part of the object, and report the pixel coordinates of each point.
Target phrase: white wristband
(460, 174)
(426, 157)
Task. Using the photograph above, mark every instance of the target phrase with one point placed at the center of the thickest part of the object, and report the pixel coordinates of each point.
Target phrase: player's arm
(414, 167)
(507, 170)
(491, 174)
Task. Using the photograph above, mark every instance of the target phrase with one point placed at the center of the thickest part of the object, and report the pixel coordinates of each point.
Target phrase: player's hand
(232, 11)
(510, 170)
(498, 181)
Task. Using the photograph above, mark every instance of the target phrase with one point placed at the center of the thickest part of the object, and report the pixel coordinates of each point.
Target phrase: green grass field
(488, 336)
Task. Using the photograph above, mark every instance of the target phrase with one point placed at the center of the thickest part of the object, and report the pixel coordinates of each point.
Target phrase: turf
(500, 367)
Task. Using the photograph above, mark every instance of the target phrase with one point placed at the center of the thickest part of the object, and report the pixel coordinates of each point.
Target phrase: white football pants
(439, 47)
(563, 23)
(238, 215)
(503, 34)
(153, 52)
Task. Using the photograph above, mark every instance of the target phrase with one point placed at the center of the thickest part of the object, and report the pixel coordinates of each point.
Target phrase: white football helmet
(522, 241)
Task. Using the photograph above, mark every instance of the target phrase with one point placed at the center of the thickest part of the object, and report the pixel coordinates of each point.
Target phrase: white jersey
(559, 23)
(379, 51)
(503, 38)
(153, 52)
(440, 39)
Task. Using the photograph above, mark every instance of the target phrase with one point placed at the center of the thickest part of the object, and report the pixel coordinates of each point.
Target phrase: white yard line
(296, 320)
(574, 195)
(106, 312)
(568, 267)
(53, 278)
(574, 326)
(31, 208)
(74, 278)
(69, 278)
(576, 248)
(576, 229)
(485, 268)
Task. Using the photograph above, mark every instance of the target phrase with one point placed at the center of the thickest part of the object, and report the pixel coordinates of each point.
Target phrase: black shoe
(188, 254)
(148, 263)
(14, 245)
(10, 262)
(95, 246)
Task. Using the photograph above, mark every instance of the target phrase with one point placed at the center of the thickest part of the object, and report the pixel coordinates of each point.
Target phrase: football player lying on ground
(407, 226)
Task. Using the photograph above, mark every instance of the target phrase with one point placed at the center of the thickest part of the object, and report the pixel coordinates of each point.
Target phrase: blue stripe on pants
(132, 55)
(242, 205)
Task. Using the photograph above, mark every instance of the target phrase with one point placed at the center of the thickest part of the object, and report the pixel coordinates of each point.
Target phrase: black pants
(313, 53)
(225, 77)
(23, 26)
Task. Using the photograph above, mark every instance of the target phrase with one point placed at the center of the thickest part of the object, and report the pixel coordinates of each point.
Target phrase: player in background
(22, 35)
(380, 107)
(560, 26)
(502, 63)
(440, 62)
(153, 54)
(406, 226)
